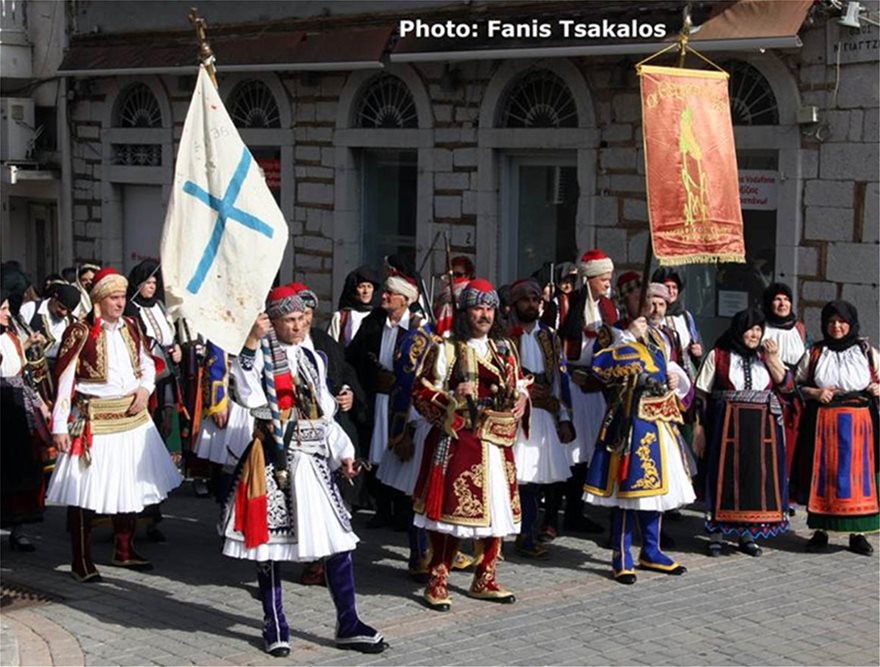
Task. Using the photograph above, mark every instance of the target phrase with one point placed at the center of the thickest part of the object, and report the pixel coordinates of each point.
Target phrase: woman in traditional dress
(360, 295)
(145, 294)
(740, 431)
(24, 418)
(835, 472)
(788, 332)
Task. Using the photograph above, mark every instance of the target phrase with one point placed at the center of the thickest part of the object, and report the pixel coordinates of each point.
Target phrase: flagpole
(649, 250)
(206, 55)
(207, 59)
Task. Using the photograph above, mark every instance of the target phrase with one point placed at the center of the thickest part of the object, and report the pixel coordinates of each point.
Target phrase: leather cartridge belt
(498, 428)
(110, 415)
(550, 404)
(664, 408)
(385, 381)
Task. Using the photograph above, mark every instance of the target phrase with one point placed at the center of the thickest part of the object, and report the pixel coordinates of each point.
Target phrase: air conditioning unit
(16, 128)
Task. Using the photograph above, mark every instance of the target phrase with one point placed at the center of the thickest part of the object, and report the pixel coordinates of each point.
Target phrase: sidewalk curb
(41, 641)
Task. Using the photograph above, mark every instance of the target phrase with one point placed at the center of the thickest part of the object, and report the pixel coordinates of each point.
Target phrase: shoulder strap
(801, 330)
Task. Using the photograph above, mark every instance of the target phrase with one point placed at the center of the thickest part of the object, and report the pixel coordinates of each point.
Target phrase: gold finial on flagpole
(206, 55)
(684, 35)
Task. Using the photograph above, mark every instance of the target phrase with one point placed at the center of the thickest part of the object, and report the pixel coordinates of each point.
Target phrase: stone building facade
(518, 159)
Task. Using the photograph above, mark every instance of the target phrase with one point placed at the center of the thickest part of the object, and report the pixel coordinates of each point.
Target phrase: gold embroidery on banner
(468, 503)
(651, 477)
(693, 178)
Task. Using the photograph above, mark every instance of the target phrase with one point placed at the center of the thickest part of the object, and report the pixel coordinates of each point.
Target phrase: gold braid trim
(651, 478)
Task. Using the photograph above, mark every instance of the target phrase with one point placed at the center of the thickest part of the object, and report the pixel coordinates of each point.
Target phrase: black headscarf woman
(732, 339)
(848, 313)
(772, 291)
(349, 300)
(136, 279)
(15, 283)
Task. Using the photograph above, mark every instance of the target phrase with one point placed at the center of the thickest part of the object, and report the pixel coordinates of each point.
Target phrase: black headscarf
(663, 274)
(67, 294)
(732, 339)
(15, 282)
(772, 319)
(848, 313)
(138, 276)
(349, 300)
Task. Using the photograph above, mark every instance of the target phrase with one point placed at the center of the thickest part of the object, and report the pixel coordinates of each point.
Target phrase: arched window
(752, 101)
(386, 103)
(137, 106)
(539, 99)
(252, 105)
(136, 109)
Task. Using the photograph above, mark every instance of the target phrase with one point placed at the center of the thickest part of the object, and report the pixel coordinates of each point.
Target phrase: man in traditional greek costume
(541, 457)
(284, 504)
(472, 392)
(112, 458)
(639, 466)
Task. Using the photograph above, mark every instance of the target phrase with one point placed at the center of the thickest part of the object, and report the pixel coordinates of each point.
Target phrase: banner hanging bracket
(681, 44)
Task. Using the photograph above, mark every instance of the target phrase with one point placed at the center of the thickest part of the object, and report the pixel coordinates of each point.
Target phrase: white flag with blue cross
(224, 235)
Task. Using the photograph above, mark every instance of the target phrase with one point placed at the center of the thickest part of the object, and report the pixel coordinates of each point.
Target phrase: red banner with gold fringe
(690, 166)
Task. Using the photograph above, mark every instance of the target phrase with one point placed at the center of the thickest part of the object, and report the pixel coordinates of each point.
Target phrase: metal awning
(343, 49)
(736, 25)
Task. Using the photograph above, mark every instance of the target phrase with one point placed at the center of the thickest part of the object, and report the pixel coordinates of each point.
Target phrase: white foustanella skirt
(680, 490)
(588, 410)
(541, 458)
(379, 438)
(318, 531)
(403, 475)
(226, 445)
(128, 471)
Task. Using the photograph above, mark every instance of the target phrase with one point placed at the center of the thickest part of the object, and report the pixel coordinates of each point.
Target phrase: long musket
(456, 308)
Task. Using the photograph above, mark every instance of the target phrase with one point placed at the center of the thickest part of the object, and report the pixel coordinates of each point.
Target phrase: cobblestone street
(197, 607)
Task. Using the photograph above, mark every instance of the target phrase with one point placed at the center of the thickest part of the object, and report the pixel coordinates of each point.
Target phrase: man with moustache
(540, 456)
(640, 467)
(473, 393)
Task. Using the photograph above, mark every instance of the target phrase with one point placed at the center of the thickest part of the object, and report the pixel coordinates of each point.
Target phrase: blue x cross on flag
(224, 235)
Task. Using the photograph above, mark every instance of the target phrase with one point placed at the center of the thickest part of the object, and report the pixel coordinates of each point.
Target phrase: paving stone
(197, 607)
